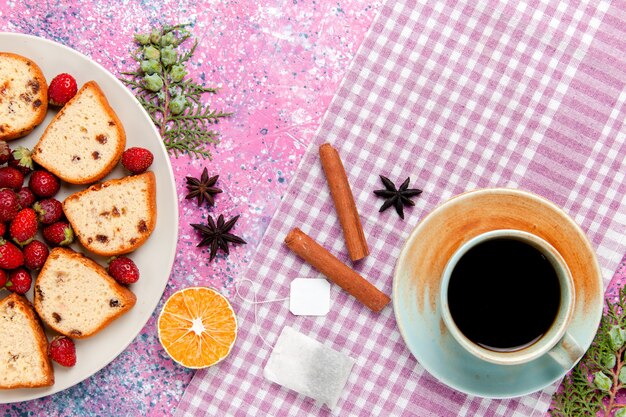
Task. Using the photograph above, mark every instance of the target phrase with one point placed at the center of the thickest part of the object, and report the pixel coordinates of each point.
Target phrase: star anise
(203, 189)
(397, 197)
(217, 235)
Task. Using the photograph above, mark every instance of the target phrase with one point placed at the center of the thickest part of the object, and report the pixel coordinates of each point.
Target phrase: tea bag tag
(309, 297)
(301, 363)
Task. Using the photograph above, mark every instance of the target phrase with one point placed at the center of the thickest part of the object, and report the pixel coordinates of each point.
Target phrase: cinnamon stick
(335, 270)
(344, 202)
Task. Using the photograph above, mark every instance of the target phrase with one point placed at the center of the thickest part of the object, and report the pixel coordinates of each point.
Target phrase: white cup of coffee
(507, 297)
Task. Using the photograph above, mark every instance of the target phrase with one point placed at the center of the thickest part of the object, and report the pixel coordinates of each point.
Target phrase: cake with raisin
(84, 141)
(116, 216)
(23, 96)
(24, 361)
(75, 296)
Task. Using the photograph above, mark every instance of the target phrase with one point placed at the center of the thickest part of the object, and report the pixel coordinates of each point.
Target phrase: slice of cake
(24, 361)
(75, 296)
(116, 216)
(84, 141)
(23, 96)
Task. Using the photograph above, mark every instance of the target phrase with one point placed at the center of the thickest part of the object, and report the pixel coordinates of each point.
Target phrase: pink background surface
(278, 64)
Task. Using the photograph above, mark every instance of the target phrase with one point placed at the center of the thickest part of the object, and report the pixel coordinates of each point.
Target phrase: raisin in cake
(84, 141)
(116, 216)
(24, 361)
(75, 296)
(23, 96)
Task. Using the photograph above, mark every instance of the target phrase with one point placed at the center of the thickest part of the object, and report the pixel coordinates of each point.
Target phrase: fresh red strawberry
(5, 152)
(10, 255)
(20, 159)
(3, 229)
(124, 270)
(44, 184)
(11, 178)
(137, 160)
(35, 255)
(19, 281)
(61, 90)
(3, 278)
(26, 197)
(24, 226)
(49, 210)
(58, 234)
(63, 351)
(9, 205)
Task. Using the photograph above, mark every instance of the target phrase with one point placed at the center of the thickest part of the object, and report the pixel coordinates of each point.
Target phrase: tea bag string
(255, 303)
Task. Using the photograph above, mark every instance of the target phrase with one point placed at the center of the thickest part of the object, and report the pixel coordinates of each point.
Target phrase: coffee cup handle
(566, 352)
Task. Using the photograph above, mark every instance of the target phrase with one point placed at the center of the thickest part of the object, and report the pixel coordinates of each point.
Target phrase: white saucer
(423, 258)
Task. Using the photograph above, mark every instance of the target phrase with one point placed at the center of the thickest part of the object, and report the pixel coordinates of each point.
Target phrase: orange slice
(197, 327)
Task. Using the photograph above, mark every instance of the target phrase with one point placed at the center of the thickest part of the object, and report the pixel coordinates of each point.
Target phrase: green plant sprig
(593, 386)
(172, 100)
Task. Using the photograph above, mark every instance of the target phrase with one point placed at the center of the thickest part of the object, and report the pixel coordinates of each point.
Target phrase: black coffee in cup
(503, 294)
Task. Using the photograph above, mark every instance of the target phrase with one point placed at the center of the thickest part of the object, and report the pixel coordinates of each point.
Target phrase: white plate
(154, 259)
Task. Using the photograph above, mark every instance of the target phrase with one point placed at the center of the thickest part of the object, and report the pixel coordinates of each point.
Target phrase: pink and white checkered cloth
(459, 95)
